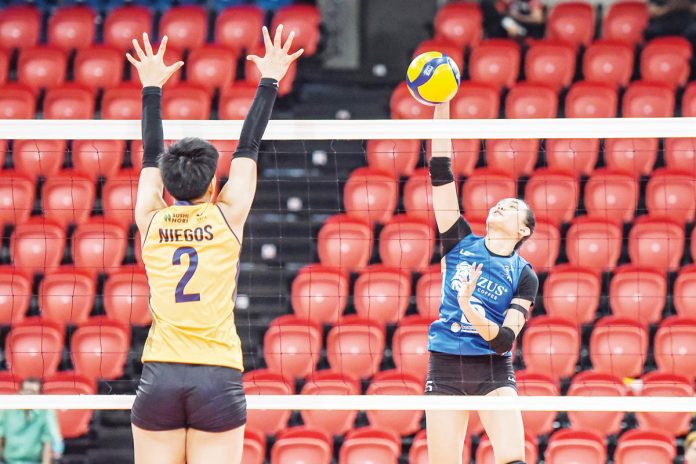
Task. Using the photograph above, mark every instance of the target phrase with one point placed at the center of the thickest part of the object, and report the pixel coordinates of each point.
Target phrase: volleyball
(432, 78)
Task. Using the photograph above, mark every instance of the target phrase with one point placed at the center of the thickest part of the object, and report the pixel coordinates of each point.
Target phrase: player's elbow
(502, 343)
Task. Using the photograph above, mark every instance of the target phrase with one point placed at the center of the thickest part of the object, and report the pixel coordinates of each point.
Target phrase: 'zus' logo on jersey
(484, 285)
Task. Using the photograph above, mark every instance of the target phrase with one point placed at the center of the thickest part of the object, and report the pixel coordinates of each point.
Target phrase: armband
(502, 343)
(521, 309)
(441, 171)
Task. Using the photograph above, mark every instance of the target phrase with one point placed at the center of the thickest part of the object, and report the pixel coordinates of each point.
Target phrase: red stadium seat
(4, 65)
(186, 102)
(211, 67)
(459, 23)
(536, 384)
(99, 66)
(304, 21)
(680, 154)
(575, 446)
(99, 349)
(34, 349)
(236, 101)
(658, 383)
(656, 243)
(418, 196)
(397, 157)
(125, 23)
(551, 346)
(395, 383)
(69, 102)
(239, 27)
(122, 102)
(254, 447)
(33, 158)
(319, 294)
(403, 106)
(41, 67)
(66, 297)
(618, 346)
(20, 26)
(410, 346)
(226, 149)
(330, 383)
(253, 75)
(465, 155)
(590, 100)
(37, 246)
(666, 60)
(542, 248)
(94, 158)
(73, 422)
(264, 382)
(118, 199)
(594, 243)
(428, 293)
(611, 195)
(298, 445)
(552, 195)
(591, 383)
(495, 62)
(17, 199)
(675, 346)
(15, 295)
(574, 156)
(648, 100)
(127, 297)
(90, 243)
(684, 294)
(645, 446)
(9, 384)
(292, 346)
(368, 445)
(67, 199)
(515, 157)
(355, 347)
(186, 26)
(551, 64)
(485, 454)
(530, 101)
(633, 156)
(474, 101)
(638, 294)
(407, 243)
(382, 294)
(688, 107)
(345, 242)
(625, 22)
(71, 27)
(572, 293)
(371, 195)
(443, 46)
(571, 22)
(608, 62)
(17, 102)
(671, 193)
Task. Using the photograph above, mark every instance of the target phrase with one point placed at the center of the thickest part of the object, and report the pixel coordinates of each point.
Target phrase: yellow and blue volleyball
(432, 78)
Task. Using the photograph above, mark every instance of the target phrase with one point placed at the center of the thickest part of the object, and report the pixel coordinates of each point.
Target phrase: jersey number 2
(179, 295)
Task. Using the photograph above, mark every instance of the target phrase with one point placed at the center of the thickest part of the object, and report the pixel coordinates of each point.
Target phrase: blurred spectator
(516, 19)
(668, 17)
(690, 449)
(28, 436)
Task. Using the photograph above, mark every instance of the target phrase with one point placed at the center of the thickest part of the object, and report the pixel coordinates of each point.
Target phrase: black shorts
(450, 374)
(174, 396)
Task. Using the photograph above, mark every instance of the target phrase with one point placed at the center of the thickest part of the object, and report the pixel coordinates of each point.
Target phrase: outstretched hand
(468, 287)
(151, 68)
(277, 60)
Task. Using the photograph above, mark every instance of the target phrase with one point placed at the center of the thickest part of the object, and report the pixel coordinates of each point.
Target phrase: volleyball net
(340, 273)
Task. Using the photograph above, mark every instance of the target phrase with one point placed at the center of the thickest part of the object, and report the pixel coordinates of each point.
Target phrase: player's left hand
(468, 287)
(151, 68)
(277, 60)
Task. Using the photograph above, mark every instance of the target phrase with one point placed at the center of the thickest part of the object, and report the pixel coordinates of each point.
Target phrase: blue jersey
(452, 333)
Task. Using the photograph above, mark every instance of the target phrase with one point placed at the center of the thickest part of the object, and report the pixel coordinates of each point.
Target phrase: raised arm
(237, 195)
(445, 200)
(153, 74)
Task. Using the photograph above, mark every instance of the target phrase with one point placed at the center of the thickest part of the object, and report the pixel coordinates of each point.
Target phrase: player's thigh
(165, 447)
(505, 430)
(446, 432)
(215, 447)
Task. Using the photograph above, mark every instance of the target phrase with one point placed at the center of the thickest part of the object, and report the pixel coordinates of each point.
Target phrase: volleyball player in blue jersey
(487, 291)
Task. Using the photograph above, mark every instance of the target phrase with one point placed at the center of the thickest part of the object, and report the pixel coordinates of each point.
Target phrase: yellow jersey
(191, 258)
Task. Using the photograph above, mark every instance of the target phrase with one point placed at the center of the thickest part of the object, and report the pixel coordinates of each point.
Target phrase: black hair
(530, 222)
(187, 167)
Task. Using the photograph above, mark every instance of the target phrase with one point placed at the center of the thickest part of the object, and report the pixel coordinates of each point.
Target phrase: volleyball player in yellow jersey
(190, 405)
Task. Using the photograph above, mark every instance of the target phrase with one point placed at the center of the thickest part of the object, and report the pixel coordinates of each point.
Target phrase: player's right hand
(151, 68)
(277, 60)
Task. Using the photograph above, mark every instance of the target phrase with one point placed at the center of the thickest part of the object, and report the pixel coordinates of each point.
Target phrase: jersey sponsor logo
(507, 273)
(484, 285)
(456, 327)
(198, 234)
(176, 218)
(465, 253)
